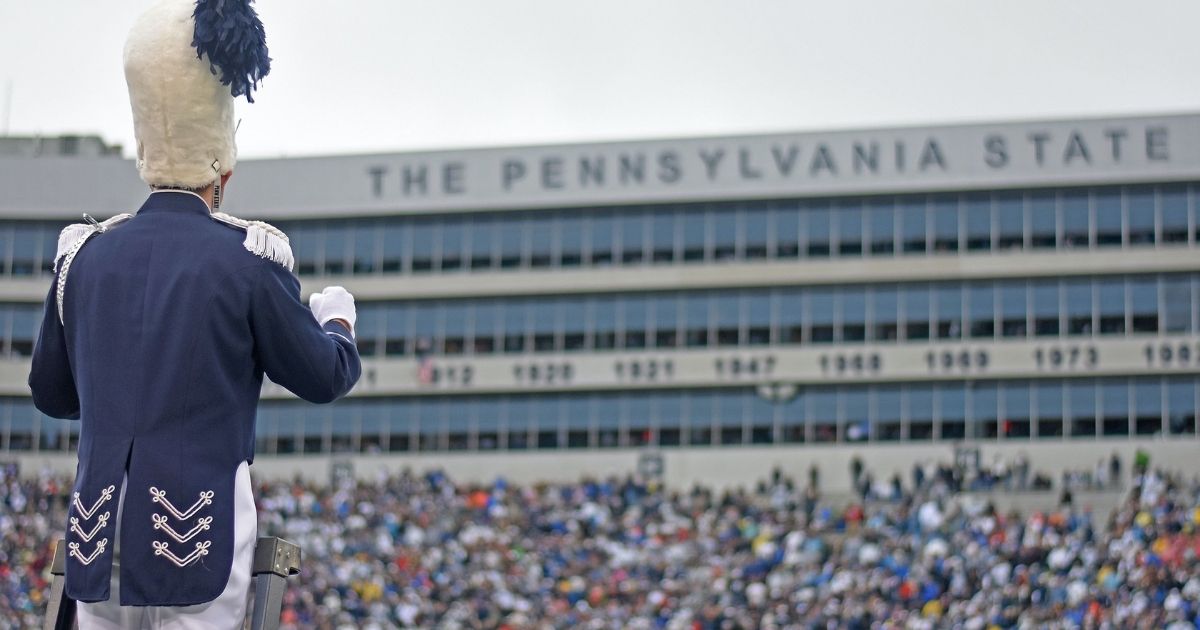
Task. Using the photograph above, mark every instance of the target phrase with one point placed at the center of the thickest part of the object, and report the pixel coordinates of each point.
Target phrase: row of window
(1101, 217)
(1115, 216)
(849, 314)
(989, 410)
(786, 316)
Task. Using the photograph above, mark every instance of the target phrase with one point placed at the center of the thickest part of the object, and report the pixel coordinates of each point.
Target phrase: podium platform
(275, 560)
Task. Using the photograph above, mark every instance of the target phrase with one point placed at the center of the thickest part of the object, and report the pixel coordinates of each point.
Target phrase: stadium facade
(726, 304)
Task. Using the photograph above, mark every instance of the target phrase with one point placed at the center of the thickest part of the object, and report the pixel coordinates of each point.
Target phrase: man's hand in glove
(334, 304)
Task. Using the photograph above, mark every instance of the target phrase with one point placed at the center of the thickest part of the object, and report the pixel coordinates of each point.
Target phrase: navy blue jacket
(169, 324)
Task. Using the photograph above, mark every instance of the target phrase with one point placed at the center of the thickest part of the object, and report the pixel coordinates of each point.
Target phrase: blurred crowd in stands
(419, 550)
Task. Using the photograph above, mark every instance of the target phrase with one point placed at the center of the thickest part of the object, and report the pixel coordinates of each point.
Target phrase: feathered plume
(231, 35)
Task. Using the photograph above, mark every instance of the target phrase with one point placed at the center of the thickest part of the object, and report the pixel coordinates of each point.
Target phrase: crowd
(419, 550)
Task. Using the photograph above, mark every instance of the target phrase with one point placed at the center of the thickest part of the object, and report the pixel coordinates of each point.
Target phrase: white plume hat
(185, 61)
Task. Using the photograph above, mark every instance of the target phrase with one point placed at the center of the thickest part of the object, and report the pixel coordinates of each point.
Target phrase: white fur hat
(185, 61)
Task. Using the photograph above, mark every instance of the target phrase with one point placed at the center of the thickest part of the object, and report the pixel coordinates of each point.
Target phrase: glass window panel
(1010, 221)
(665, 320)
(1048, 401)
(791, 316)
(818, 220)
(881, 224)
(571, 237)
(1082, 407)
(517, 318)
(511, 236)
(885, 313)
(1045, 307)
(725, 231)
(337, 235)
(945, 223)
(822, 414)
(981, 305)
(454, 327)
(854, 314)
(820, 309)
(453, 235)
(25, 257)
(424, 235)
(542, 236)
(1140, 202)
(306, 247)
(949, 302)
(574, 323)
(1114, 398)
(1042, 219)
(1174, 203)
(694, 244)
(1013, 309)
(486, 315)
(1108, 217)
(398, 330)
(850, 227)
(757, 232)
(1078, 295)
(483, 242)
(786, 222)
(912, 224)
(670, 418)
(366, 233)
(920, 411)
(604, 322)
(602, 228)
(367, 329)
(634, 320)
(1143, 298)
(977, 211)
(757, 305)
(916, 312)
(395, 246)
(1181, 406)
(633, 238)
(700, 415)
(1111, 300)
(1177, 302)
(984, 410)
(1075, 218)
(952, 410)
(855, 405)
(663, 235)
(1016, 410)
(1147, 406)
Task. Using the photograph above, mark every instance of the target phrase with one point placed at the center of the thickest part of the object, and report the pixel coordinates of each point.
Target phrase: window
(666, 320)
(424, 234)
(634, 322)
(949, 302)
(1141, 215)
(945, 224)
(757, 306)
(1114, 398)
(395, 247)
(1174, 201)
(695, 313)
(1010, 221)
(546, 318)
(365, 240)
(1082, 408)
(663, 238)
(820, 305)
(306, 248)
(1078, 294)
(984, 411)
(1108, 218)
(786, 219)
(397, 331)
(571, 235)
(511, 233)
(1111, 301)
(1048, 400)
(1177, 303)
(1147, 406)
(542, 236)
(854, 314)
(1045, 308)
(1042, 220)
(850, 228)
(633, 238)
(920, 411)
(1012, 309)
(757, 232)
(981, 309)
(952, 411)
(818, 222)
(882, 226)
(454, 317)
(483, 245)
(728, 316)
(694, 220)
(889, 410)
(725, 232)
(452, 247)
(1181, 406)
(1015, 424)
(1075, 218)
(977, 210)
(486, 315)
(574, 322)
(916, 313)
(604, 322)
(791, 317)
(1143, 298)
(884, 313)
(912, 224)
(602, 241)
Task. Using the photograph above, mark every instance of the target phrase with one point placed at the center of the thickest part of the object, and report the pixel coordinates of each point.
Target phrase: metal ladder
(275, 560)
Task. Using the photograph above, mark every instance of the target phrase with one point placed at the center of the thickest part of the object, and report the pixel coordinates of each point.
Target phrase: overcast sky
(388, 75)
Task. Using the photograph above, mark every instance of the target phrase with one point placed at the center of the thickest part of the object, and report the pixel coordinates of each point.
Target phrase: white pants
(228, 610)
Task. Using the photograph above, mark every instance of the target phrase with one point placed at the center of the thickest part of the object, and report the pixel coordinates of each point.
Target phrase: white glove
(333, 303)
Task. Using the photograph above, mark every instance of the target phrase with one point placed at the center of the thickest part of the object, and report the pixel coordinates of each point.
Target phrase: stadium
(718, 312)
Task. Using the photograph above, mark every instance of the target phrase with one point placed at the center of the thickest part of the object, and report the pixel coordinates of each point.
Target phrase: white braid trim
(161, 549)
(160, 497)
(74, 547)
(262, 239)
